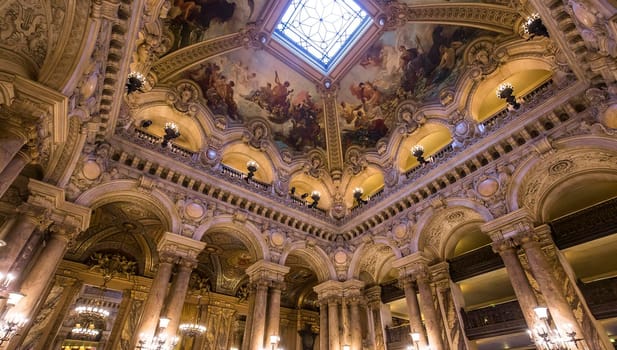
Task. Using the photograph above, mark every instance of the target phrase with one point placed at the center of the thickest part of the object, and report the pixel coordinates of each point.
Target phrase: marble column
(154, 303)
(30, 216)
(522, 289)
(557, 304)
(415, 318)
(246, 338)
(333, 324)
(258, 327)
(274, 310)
(373, 295)
(356, 327)
(323, 325)
(43, 270)
(431, 318)
(12, 170)
(177, 295)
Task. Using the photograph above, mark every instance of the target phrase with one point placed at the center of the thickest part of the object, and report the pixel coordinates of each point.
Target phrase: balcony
(473, 263)
(601, 297)
(494, 320)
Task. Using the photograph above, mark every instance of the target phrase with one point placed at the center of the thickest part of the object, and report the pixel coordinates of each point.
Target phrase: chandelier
(86, 332)
(552, 339)
(357, 195)
(194, 329)
(92, 312)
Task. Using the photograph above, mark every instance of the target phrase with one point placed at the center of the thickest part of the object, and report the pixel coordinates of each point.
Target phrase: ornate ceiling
(419, 75)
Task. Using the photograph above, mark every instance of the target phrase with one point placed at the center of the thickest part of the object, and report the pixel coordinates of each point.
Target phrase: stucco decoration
(548, 173)
(441, 224)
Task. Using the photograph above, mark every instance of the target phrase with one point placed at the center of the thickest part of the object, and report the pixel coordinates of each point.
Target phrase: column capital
(267, 271)
(329, 288)
(352, 287)
(510, 225)
(440, 272)
(414, 264)
(187, 263)
(173, 245)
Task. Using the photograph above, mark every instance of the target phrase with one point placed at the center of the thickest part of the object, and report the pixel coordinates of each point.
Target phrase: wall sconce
(418, 152)
(252, 167)
(274, 339)
(171, 132)
(10, 327)
(505, 91)
(160, 341)
(551, 339)
(135, 82)
(533, 27)
(357, 195)
(315, 196)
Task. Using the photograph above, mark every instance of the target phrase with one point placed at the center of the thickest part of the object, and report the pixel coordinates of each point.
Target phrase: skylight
(321, 30)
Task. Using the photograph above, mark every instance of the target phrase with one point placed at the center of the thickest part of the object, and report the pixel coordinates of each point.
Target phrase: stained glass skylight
(321, 30)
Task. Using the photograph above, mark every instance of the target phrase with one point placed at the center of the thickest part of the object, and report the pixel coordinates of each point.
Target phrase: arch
(524, 73)
(314, 256)
(236, 155)
(467, 232)
(97, 242)
(375, 249)
(437, 226)
(432, 136)
(119, 190)
(249, 234)
(536, 180)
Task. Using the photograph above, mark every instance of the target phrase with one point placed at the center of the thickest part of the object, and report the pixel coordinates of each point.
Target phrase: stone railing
(601, 297)
(473, 263)
(490, 321)
(585, 225)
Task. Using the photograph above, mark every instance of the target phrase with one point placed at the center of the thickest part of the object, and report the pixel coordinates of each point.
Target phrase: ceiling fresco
(188, 22)
(245, 85)
(414, 63)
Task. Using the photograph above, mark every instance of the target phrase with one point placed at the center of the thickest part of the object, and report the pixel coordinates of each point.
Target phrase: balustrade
(474, 263)
(494, 320)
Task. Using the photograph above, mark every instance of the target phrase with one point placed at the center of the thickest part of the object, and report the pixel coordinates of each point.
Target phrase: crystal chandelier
(194, 329)
(86, 332)
(171, 132)
(135, 82)
(92, 312)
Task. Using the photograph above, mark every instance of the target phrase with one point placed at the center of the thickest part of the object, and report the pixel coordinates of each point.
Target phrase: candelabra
(357, 195)
(418, 152)
(505, 91)
(10, 327)
(252, 167)
(315, 196)
(135, 82)
(552, 339)
(85, 332)
(171, 132)
(533, 26)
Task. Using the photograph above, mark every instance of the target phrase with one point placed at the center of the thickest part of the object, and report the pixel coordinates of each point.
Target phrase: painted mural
(415, 62)
(264, 89)
(192, 21)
